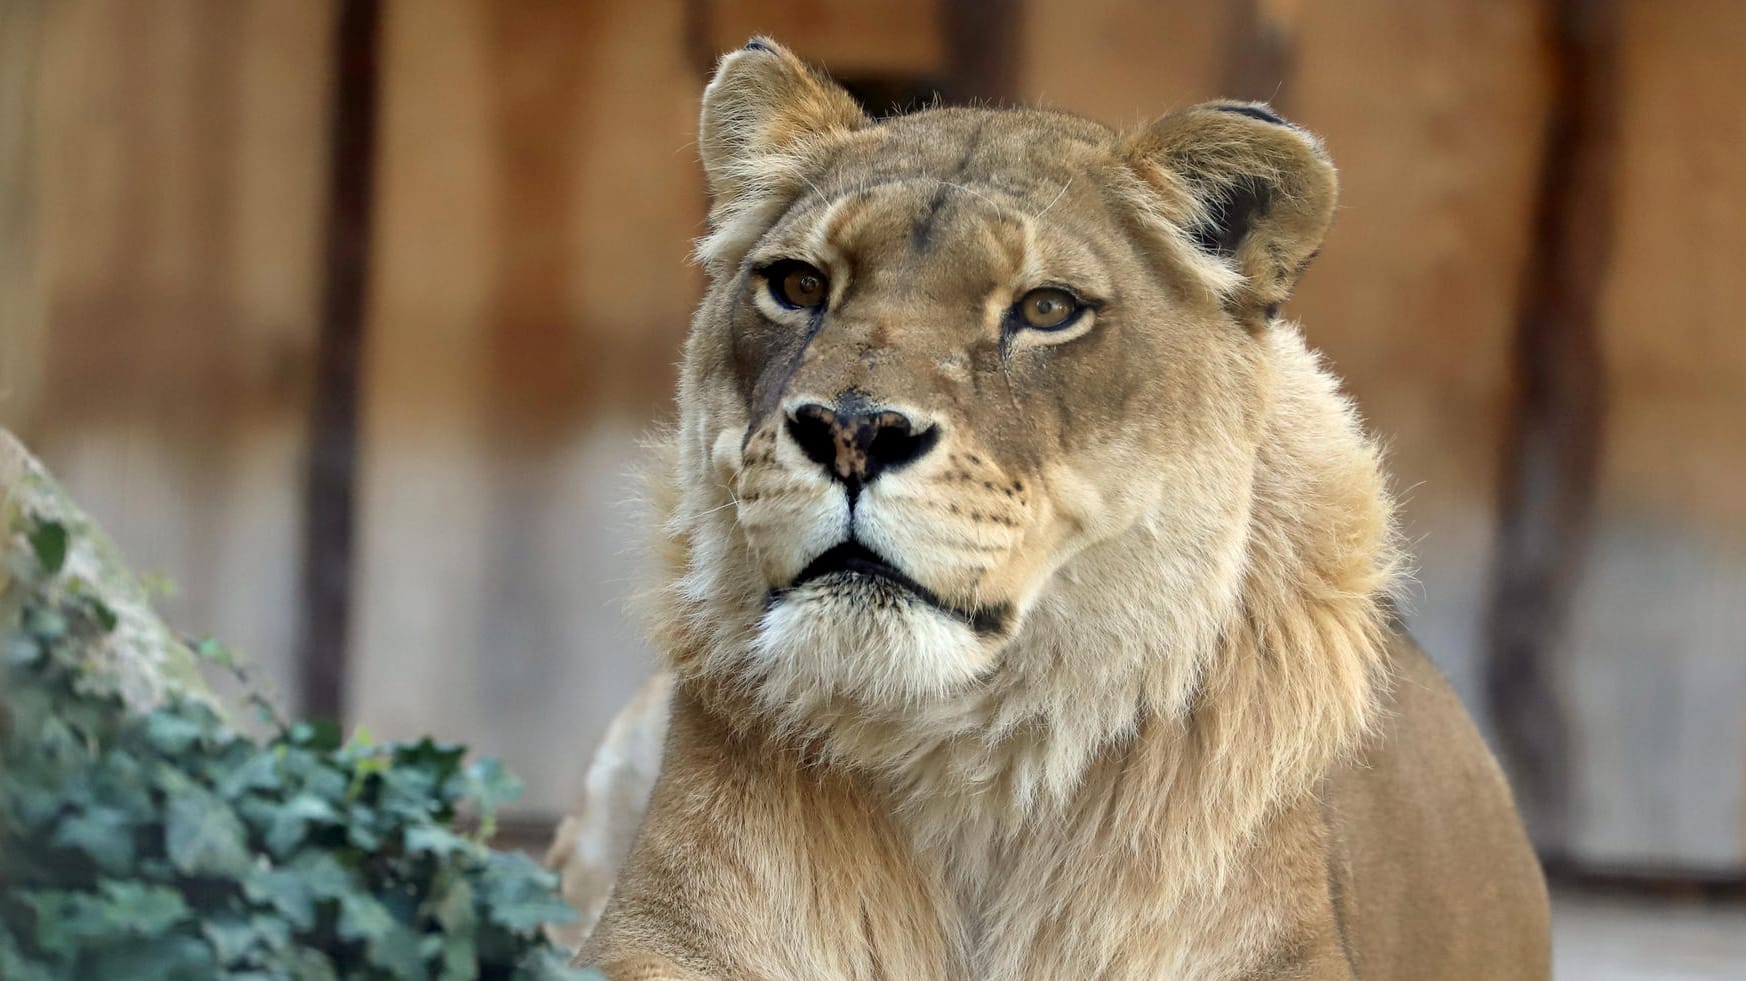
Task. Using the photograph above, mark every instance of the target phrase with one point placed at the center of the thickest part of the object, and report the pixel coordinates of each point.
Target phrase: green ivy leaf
(232, 936)
(292, 819)
(520, 895)
(360, 830)
(317, 734)
(20, 651)
(271, 933)
(288, 892)
(103, 833)
(456, 910)
(203, 836)
(545, 964)
(362, 745)
(58, 739)
(70, 923)
(142, 909)
(173, 734)
(48, 539)
(14, 966)
(259, 772)
(491, 785)
(410, 794)
(167, 957)
(34, 806)
(324, 876)
(265, 711)
(306, 964)
(63, 921)
(460, 957)
(312, 772)
(120, 779)
(363, 917)
(387, 942)
(434, 839)
(143, 845)
(209, 649)
(45, 624)
(440, 761)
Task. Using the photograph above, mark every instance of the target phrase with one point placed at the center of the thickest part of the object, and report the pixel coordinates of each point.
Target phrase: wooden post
(1259, 51)
(330, 487)
(982, 49)
(22, 33)
(1552, 451)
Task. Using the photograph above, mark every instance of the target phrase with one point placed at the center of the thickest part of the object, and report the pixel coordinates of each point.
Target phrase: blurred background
(346, 317)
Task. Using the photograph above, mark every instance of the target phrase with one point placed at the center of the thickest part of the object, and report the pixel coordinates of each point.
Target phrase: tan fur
(1153, 726)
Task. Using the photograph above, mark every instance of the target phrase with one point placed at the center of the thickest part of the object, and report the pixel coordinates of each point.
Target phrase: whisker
(967, 189)
(733, 500)
(1062, 193)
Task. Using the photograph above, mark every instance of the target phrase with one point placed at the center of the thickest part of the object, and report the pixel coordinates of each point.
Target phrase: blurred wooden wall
(157, 347)
(537, 191)
(1654, 666)
(538, 199)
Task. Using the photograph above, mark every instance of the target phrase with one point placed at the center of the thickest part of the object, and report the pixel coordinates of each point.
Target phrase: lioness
(1026, 584)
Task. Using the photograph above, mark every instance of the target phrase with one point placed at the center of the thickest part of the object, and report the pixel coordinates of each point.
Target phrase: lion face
(944, 355)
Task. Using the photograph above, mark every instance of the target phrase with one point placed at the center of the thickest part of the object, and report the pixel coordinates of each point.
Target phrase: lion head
(990, 414)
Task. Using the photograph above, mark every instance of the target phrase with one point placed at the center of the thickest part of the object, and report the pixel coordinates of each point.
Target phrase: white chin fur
(865, 640)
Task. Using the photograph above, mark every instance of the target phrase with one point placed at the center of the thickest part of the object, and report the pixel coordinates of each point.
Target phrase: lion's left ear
(1246, 188)
(764, 101)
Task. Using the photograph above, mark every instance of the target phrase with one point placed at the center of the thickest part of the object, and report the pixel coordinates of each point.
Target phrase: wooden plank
(540, 191)
(1123, 62)
(179, 170)
(1436, 128)
(851, 37)
(330, 476)
(982, 50)
(1654, 667)
(22, 31)
(1547, 480)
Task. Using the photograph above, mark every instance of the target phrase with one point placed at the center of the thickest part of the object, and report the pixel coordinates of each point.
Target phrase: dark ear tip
(1261, 112)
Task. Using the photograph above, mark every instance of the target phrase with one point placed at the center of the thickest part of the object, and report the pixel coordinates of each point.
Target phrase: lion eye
(798, 286)
(1048, 308)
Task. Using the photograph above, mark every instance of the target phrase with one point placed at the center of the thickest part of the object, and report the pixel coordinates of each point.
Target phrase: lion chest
(1064, 905)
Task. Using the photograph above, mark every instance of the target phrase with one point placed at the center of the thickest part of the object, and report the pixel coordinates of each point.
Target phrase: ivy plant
(165, 844)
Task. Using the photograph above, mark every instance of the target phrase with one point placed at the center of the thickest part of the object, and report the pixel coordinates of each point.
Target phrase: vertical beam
(1552, 451)
(1259, 51)
(23, 32)
(330, 488)
(699, 38)
(537, 93)
(982, 49)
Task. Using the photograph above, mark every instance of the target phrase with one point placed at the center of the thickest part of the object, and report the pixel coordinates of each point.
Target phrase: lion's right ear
(764, 101)
(1249, 192)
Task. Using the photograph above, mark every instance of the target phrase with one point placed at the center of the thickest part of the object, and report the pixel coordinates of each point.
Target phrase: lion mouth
(852, 559)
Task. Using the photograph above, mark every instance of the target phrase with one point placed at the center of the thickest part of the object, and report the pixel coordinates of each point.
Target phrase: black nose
(856, 447)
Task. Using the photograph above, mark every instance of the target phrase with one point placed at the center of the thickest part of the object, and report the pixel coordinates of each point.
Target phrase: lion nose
(856, 447)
